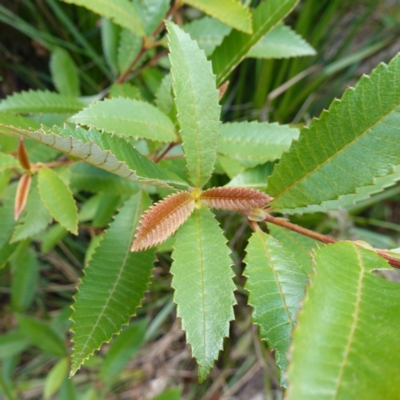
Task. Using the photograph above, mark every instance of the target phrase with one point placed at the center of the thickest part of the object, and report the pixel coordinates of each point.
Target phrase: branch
(394, 262)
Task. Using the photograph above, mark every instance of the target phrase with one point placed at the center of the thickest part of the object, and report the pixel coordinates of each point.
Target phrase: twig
(394, 262)
(122, 78)
(167, 149)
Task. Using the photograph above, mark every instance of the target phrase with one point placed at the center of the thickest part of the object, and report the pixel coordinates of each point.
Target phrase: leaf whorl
(234, 198)
(162, 219)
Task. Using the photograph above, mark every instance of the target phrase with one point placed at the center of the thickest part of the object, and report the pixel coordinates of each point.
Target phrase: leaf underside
(197, 103)
(162, 220)
(201, 269)
(234, 198)
(276, 287)
(350, 145)
(347, 330)
(105, 151)
(113, 285)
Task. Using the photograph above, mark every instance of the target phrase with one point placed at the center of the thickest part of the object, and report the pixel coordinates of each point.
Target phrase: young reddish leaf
(162, 220)
(22, 194)
(23, 155)
(234, 198)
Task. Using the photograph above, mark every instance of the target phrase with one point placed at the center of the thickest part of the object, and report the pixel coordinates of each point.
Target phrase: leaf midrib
(136, 217)
(353, 325)
(342, 150)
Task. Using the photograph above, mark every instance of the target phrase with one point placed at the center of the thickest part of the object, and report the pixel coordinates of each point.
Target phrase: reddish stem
(394, 262)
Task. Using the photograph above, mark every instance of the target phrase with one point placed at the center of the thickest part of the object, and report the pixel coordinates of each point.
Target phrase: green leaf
(42, 335)
(8, 161)
(128, 117)
(34, 218)
(230, 12)
(170, 394)
(255, 141)
(208, 33)
(126, 90)
(236, 45)
(345, 345)
(55, 377)
(109, 39)
(7, 213)
(114, 284)
(58, 199)
(6, 251)
(12, 343)
(362, 193)
(38, 101)
(201, 271)
(128, 49)
(55, 234)
(152, 12)
(108, 152)
(122, 349)
(122, 12)
(197, 102)
(281, 42)
(88, 178)
(276, 284)
(163, 96)
(350, 145)
(255, 178)
(24, 280)
(64, 73)
(299, 245)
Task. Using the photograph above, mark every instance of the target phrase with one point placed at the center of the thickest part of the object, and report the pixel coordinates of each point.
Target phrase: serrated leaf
(122, 12)
(281, 42)
(299, 245)
(230, 12)
(58, 199)
(152, 13)
(197, 103)
(7, 213)
(126, 90)
(42, 335)
(208, 33)
(255, 178)
(128, 117)
(88, 178)
(35, 217)
(114, 284)
(64, 73)
(322, 165)
(345, 345)
(24, 280)
(8, 161)
(38, 101)
(201, 269)
(162, 220)
(361, 194)
(8, 120)
(255, 141)
(6, 251)
(236, 45)
(234, 198)
(276, 284)
(108, 152)
(128, 49)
